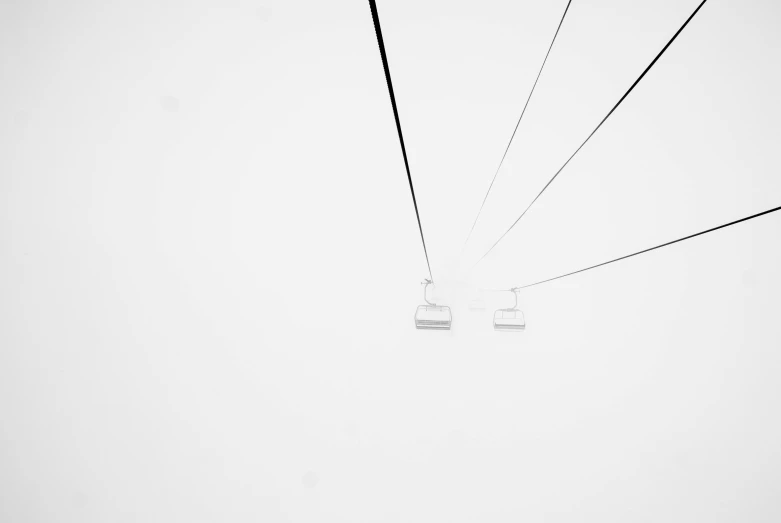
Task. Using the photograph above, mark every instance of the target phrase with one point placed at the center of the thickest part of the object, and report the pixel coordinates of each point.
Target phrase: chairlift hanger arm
(515, 291)
(425, 284)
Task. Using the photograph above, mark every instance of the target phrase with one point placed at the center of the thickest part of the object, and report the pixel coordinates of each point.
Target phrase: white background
(209, 263)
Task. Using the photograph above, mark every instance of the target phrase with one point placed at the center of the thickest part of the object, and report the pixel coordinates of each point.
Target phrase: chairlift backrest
(509, 320)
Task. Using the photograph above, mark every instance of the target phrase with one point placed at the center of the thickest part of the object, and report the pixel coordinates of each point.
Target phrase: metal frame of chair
(510, 319)
(442, 318)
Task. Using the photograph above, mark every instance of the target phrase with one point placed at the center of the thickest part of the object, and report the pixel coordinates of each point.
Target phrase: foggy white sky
(209, 263)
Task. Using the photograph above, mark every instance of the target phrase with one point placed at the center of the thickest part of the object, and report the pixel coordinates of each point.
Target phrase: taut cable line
(594, 131)
(747, 218)
(381, 43)
(516, 127)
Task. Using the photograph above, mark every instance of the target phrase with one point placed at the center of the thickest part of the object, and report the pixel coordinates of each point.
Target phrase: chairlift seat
(477, 305)
(509, 320)
(433, 317)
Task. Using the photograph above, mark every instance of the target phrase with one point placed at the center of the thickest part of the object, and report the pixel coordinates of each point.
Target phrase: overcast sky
(209, 262)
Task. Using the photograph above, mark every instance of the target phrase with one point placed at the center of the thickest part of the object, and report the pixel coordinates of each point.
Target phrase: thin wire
(516, 127)
(381, 43)
(595, 130)
(654, 248)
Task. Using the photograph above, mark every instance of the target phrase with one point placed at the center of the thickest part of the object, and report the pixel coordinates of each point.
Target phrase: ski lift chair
(477, 305)
(432, 316)
(510, 319)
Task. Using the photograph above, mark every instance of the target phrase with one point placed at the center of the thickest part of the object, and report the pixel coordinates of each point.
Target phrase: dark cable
(595, 130)
(381, 43)
(654, 248)
(516, 126)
